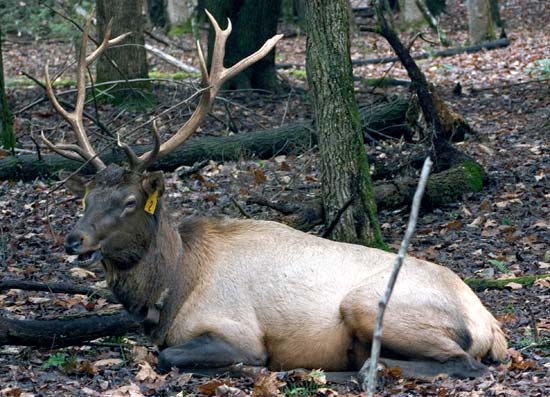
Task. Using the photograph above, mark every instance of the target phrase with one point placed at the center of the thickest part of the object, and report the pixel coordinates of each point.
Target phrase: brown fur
(286, 298)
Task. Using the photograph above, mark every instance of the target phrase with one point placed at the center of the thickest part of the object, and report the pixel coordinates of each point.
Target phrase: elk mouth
(87, 259)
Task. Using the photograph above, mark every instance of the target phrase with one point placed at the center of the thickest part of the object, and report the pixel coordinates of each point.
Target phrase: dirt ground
(501, 232)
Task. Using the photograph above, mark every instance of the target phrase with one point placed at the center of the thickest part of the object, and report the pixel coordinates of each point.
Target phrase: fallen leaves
(209, 388)
(267, 384)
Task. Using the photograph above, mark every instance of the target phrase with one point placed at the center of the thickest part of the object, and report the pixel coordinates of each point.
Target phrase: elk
(213, 292)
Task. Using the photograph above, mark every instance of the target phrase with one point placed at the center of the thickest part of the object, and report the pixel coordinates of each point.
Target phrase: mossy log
(293, 139)
(478, 284)
(388, 118)
(443, 188)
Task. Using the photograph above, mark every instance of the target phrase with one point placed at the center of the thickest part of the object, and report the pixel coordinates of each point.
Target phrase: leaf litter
(500, 232)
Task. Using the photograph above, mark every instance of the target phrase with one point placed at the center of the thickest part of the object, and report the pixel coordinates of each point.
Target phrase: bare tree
(348, 199)
(7, 137)
(127, 60)
(481, 26)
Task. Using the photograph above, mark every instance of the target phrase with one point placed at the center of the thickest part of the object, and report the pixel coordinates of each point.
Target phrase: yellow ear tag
(84, 198)
(151, 203)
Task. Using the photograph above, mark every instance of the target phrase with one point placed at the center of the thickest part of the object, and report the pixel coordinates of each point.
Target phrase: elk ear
(153, 181)
(77, 184)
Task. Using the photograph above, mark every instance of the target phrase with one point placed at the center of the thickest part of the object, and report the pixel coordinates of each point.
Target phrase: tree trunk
(345, 173)
(156, 9)
(253, 22)
(7, 135)
(411, 15)
(128, 59)
(481, 26)
(180, 13)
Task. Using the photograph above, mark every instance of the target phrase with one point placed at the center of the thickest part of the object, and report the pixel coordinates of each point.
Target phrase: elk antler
(212, 82)
(83, 151)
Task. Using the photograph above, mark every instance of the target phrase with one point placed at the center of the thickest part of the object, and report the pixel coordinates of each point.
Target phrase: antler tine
(83, 151)
(72, 152)
(107, 42)
(218, 52)
(212, 81)
(148, 158)
(133, 159)
(140, 164)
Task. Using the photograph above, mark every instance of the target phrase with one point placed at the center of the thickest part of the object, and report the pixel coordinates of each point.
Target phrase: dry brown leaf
(131, 390)
(267, 384)
(86, 367)
(542, 282)
(107, 362)
(229, 391)
(141, 353)
(10, 392)
(455, 224)
(146, 373)
(514, 286)
(259, 176)
(544, 324)
(507, 319)
(209, 388)
(81, 273)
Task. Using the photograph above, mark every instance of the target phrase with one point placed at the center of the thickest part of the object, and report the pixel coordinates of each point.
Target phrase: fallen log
(58, 288)
(68, 331)
(443, 188)
(490, 45)
(379, 121)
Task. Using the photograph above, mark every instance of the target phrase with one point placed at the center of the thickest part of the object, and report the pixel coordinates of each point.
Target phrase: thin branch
(337, 217)
(372, 364)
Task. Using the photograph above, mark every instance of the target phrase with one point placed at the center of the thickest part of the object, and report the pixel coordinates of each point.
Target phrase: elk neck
(164, 272)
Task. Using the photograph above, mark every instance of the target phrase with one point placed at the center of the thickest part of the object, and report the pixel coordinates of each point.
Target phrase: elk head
(122, 204)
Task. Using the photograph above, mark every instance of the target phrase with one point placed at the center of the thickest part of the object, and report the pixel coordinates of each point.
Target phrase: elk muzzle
(77, 243)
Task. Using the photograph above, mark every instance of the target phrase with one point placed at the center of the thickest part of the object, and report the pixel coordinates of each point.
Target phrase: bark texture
(344, 167)
(481, 26)
(156, 10)
(64, 331)
(128, 59)
(180, 11)
(7, 136)
(253, 23)
(411, 15)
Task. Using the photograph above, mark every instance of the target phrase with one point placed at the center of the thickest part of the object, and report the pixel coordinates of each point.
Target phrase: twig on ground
(376, 340)
(533, 322)
(193, 169)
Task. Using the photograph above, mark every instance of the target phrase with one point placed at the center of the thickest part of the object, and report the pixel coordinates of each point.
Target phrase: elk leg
(206, 351)
(428, 370)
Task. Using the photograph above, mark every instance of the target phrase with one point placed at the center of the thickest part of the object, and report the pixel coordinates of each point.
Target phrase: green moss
(480, 284)
(382, 82)
(178, 30)
(155, 74)
(299, 73)
(474, 175)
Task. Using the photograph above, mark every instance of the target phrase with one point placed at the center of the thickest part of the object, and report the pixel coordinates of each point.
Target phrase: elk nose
(73, 242)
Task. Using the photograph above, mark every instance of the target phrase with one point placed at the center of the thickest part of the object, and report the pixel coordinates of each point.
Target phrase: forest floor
(501, 232)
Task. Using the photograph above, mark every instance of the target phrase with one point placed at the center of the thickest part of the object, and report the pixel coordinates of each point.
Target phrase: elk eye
(131, 202)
